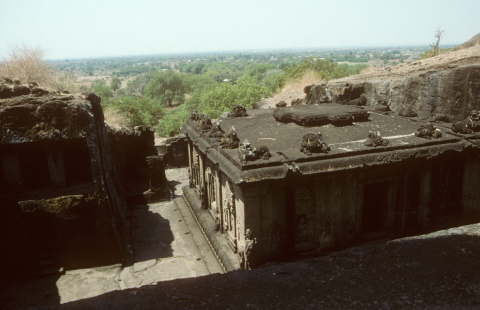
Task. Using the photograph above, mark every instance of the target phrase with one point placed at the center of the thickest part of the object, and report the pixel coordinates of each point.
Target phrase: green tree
(172, 122)
(166, 86)
(139, 111)
(115, 84)
(100, 88)
(225, 96)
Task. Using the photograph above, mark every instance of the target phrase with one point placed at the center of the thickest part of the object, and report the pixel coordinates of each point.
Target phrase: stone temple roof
(347, 149)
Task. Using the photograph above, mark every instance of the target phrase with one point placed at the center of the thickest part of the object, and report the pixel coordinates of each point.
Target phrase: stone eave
(324, 163)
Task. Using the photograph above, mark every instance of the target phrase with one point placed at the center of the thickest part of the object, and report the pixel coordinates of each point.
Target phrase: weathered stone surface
(436, 271)
(174, 151)
(451, 90)
(60, 194)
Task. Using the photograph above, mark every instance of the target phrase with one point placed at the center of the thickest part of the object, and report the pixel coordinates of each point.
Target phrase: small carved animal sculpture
(408, 112)
(461, 127)
(230, 140)
(473, 121)
(238, 111)
(264, 152)
(375, 139)
(194, 115)
(428, 131)
(205, 123)
(217, 131)
(313, 143)
(248, 153)
(359, 101)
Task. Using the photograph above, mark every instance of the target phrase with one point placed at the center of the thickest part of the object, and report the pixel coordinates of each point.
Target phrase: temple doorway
(375, 210)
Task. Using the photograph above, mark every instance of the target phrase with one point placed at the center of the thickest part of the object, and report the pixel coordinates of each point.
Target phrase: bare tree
(27, 65)
(434, 45)
(65, 82)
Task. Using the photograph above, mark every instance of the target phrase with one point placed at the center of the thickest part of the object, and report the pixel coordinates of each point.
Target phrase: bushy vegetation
(164, 90)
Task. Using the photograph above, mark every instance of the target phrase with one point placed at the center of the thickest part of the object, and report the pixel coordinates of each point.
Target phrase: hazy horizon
(90, 29)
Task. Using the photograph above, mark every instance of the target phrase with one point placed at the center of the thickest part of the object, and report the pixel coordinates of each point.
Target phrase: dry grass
(26, 64)
(293, 89)
(114, 117)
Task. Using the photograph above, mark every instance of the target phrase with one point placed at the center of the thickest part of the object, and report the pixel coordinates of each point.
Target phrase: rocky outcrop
(447, 84)
(475, 40)
(58, 185)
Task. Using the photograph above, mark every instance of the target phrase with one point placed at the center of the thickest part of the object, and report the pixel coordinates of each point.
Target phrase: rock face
(446, 84)
(59, 192)
(133, 149)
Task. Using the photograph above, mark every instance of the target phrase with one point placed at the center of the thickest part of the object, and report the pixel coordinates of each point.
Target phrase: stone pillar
(55, 167)
(11, 169)
(425, 195)
(156, 179)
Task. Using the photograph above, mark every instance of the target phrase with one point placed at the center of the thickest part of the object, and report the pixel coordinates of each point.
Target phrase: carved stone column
(55, 167)
(11, 169)
(157, 179)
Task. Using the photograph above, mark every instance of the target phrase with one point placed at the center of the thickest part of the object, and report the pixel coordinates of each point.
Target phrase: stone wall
(315, 215)
(61, 196)
(174, 151)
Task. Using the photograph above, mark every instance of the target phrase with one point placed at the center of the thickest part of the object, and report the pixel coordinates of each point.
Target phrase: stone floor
(167, 245)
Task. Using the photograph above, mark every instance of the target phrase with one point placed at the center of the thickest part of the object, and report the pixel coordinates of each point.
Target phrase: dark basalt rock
(408, 112)
(313, 143)
(375, 139)
(281, 104)
(238, 111)
(428, 131)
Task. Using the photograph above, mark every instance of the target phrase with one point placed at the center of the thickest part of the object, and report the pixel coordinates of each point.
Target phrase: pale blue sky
(95, 28)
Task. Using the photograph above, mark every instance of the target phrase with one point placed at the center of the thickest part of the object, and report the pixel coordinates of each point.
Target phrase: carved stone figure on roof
(194, 116)
(205, 123)
(313, 143)
(375, 139)
(470, 125)
(238, 111)
(248, 153)
(428, 131)
(473, 121)
(230, 139)
(217, 131)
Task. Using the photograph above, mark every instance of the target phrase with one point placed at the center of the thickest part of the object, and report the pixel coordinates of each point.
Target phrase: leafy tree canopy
(224, 97)
(166, 86)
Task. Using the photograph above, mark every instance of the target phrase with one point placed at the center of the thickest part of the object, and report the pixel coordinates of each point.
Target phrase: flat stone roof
(346, 142)
(262, 129)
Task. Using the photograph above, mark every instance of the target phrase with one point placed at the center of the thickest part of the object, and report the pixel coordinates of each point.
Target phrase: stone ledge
(216, 240)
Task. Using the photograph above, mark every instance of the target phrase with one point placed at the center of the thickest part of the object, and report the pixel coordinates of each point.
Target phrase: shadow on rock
(151, 235)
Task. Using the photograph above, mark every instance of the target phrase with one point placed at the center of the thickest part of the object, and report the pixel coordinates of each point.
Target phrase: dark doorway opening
(375, 210)
(447, 186)
(76, 160)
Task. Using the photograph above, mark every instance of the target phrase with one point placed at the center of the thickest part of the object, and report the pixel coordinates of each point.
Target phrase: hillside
(446, 84)
(475, 40)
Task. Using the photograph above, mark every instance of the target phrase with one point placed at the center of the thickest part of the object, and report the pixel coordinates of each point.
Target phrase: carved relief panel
(211, 192)
(230, 217)
(304, 205)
